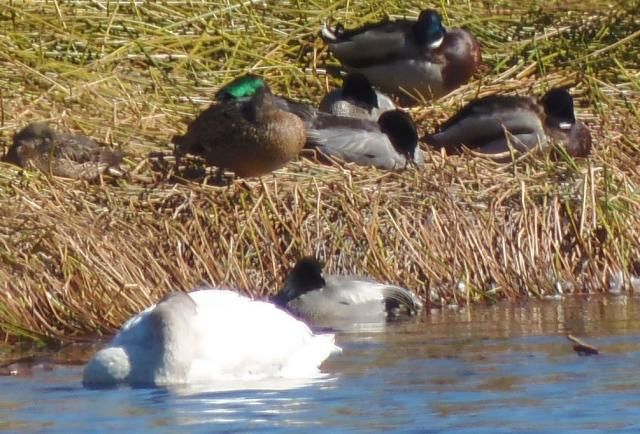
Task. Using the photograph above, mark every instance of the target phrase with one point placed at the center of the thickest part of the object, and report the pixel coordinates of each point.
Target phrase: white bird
(208, 336)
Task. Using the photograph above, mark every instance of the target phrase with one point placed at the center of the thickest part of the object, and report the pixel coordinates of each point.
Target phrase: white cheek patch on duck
(436, 44)
(565, 125)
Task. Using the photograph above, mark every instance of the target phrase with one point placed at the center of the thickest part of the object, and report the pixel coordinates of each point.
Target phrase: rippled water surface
(498, 369)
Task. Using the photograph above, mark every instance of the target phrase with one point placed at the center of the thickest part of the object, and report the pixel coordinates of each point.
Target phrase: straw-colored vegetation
(77, 258)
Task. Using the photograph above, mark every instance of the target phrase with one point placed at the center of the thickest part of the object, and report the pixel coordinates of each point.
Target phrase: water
(500, 369)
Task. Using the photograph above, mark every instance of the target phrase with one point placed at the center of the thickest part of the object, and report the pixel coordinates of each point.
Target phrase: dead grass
(77, 258)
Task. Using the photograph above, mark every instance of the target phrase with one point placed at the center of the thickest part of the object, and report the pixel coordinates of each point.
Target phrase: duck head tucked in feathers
(494, 124)
(357, 98)
(323, 299)
(407, 57)
(62, 154)
(391, 143)
(305, 276)
(249, 130)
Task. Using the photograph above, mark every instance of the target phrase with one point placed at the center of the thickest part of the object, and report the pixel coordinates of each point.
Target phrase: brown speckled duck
(248, 131)
(488, 125)
(61, 154)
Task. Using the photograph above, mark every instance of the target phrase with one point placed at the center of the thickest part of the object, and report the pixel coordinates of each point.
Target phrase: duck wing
(203, 132)
(306, 112)
(485, 120)
(336, 104)
(354, 140)
(355, 291)
(82, 149)
(370, 44)
(398, 299)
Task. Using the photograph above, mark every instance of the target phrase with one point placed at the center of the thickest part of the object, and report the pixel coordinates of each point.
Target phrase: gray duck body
(391, 143)
(324, 298)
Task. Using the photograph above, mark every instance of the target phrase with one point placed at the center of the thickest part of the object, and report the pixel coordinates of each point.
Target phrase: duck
(390, 143)
(357, 98)
(248, 130)
(490, 125)
(407, 58)
(208, 336)
(62, 154)
(325, 299)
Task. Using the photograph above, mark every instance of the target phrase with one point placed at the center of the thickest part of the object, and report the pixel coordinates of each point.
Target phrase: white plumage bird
(208, 336)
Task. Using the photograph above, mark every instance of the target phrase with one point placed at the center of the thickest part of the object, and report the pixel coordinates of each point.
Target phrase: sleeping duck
(322, 299)
(391, 143)
(419, 58)
(489, 125)
(357, 99)
(248, 131)
(205, 337)
(61, 154)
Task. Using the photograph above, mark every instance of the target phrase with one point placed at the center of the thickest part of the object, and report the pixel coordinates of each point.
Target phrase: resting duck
(391, 143)
(481, 125)
(356, 99)
(248, 131)
(208, 336)
(419, 58)
(61, 154)
(321, 298)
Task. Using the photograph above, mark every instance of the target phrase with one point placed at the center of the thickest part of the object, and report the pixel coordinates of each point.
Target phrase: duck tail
(400, 299)
(432, 142)
(329, 35)
(111, 158)
(182, 143)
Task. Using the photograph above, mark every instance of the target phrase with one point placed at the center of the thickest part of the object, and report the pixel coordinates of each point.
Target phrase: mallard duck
(488, 125)
(61, 154)
(357, 99)
(419, 58)
(208, 336)
(321, 298)
(248, 131)
(391, 143)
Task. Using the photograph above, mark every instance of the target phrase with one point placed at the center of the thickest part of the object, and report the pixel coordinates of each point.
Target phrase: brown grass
(77, 259)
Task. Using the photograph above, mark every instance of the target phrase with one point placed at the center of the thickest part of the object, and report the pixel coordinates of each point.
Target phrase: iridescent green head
(242, 87)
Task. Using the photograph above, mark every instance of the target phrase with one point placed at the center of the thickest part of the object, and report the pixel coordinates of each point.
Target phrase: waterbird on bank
(62, 154)
(391, 143)
(324, 298)
(357, 99)
(489, 125)
(248, 130)
(208, 336)
(407, 57)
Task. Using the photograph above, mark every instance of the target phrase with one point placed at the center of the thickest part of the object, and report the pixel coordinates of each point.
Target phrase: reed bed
(78, 258)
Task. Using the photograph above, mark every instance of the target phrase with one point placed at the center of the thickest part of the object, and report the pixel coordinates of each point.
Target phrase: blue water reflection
(499, 369)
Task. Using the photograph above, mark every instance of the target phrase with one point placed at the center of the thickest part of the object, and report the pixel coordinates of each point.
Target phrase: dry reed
(77, 259)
